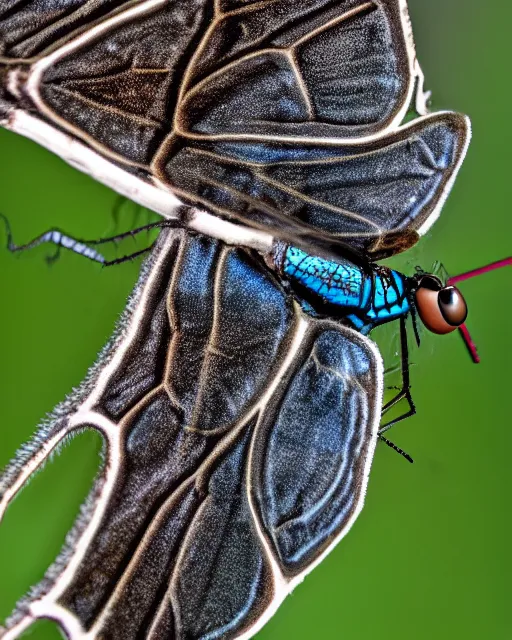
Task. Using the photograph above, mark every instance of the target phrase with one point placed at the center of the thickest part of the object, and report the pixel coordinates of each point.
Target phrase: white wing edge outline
(78, 411)
(31, 83)
(155, 194)
(158, 197)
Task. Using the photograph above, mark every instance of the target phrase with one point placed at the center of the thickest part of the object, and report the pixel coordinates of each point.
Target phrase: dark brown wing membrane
(360, 194)
(120, 89)
(30, 27)
(295, 69)
(315, 68)
(281, 114)
(239, 439)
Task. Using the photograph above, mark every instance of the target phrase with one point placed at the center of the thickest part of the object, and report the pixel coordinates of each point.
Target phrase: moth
(288, 148)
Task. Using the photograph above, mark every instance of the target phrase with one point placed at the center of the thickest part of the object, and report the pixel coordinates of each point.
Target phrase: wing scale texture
(239, 434)
(281, 115)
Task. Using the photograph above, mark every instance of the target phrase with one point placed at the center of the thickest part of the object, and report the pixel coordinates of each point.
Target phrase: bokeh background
(430, 556)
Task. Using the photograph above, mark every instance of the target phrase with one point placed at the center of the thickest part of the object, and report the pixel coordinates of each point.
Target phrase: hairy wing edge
(77, 412)
(285, 587)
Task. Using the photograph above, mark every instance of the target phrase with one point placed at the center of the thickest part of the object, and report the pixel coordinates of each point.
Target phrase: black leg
(129, 257)
(82, 247)
(405, 391)
(393, 446)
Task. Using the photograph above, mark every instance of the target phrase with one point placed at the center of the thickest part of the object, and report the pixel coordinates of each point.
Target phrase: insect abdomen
(337, 284)
(343, 288)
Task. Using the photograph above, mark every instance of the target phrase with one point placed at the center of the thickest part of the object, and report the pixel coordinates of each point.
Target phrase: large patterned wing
(283, 115)
(239, 437)
(312, 69)
(378, 197)
(126, 75)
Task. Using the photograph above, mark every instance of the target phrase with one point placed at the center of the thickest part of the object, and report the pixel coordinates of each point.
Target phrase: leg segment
(82, 247)
(405, 391)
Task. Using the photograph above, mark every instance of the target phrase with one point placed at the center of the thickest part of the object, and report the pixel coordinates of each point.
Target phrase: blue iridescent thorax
(366, 299)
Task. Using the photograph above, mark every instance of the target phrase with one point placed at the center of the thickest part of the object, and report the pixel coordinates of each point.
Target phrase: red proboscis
(468, 341)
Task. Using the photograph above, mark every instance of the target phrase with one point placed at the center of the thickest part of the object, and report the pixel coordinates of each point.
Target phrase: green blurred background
(430, 556)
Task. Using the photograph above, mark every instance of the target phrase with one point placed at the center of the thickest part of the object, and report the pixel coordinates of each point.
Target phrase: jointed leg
(405, 391)
(81, 247)
(393, 446)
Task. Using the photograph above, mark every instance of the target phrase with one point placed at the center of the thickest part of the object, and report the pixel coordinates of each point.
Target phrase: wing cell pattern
(234, 461)
(281, 115)
(309, 468)
(357, 194)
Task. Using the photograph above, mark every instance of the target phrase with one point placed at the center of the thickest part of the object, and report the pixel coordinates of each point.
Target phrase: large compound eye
(453, 306)
(441, 310)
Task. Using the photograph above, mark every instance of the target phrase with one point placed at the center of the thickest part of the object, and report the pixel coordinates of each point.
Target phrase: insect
(240, 400)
